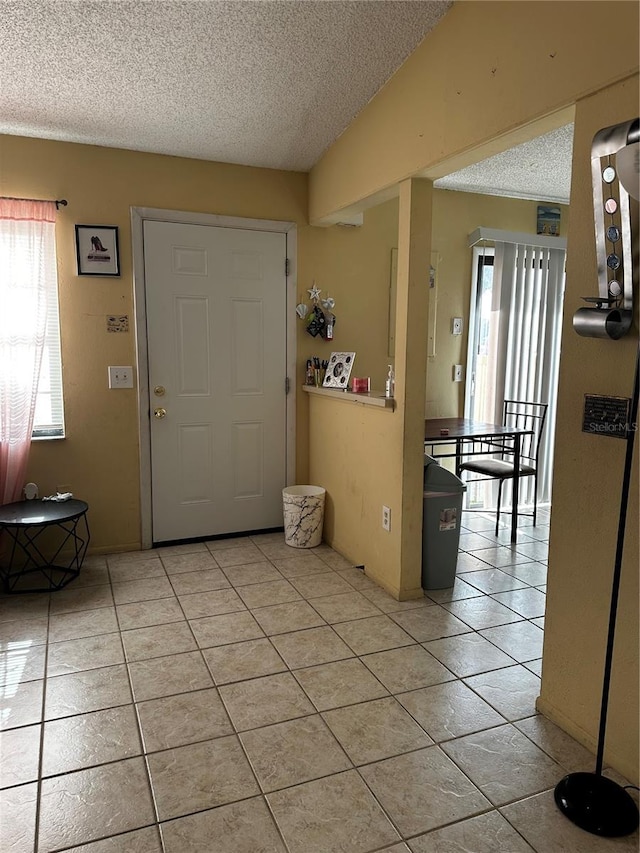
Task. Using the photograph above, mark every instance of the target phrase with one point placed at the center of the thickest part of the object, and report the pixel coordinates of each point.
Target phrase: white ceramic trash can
(303, 515)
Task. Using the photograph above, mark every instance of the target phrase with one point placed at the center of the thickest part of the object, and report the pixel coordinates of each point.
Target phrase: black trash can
(441, 516)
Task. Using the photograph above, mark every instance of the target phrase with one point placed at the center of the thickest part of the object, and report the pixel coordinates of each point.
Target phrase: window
(514, 340)
(30, 359)
(48, 420)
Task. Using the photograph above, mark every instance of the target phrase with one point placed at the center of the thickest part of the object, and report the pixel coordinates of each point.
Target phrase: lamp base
(596, 804)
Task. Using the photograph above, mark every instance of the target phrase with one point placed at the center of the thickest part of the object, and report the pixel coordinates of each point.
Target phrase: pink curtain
(27, 265)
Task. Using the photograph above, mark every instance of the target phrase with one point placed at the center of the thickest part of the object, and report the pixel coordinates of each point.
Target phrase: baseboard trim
(624, 764)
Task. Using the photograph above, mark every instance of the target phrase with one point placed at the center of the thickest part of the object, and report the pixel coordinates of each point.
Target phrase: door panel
(193, 337)
(216, 301)
(195, 463)
(247, 336)
(248, 460)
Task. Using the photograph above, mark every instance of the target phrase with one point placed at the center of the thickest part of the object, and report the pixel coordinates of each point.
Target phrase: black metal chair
(524, 415)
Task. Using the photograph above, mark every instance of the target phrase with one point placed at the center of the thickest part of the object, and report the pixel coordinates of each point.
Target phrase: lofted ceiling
(270, 83)
(257, 83)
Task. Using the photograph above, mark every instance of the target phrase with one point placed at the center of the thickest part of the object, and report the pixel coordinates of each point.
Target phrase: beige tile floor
(240, 696)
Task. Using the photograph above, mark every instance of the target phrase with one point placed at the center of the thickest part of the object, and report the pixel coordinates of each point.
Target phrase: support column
(412, 316)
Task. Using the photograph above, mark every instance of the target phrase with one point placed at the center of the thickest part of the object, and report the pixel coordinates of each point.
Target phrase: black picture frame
(97, 250)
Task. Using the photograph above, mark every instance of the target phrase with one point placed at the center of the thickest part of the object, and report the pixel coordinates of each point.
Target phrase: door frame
(478, 252)
(138, 216)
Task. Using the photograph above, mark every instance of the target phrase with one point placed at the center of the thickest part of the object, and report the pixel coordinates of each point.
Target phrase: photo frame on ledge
(97, 251)
(339, 370)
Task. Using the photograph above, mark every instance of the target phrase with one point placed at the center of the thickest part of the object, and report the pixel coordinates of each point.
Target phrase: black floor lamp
(591, 800)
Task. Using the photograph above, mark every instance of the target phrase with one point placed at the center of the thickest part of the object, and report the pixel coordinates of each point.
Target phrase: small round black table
(43, 538)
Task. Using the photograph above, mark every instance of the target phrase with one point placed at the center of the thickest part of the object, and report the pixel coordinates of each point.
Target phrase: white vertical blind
(528, 290)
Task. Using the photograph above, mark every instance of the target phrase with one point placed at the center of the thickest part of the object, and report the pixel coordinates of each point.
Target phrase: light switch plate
(457, 373)
(120, 377)
(456, 326)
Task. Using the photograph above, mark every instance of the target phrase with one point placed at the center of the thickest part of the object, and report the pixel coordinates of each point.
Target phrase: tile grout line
(290, 670)
(134, 706)
(36, 838)
(242, 746)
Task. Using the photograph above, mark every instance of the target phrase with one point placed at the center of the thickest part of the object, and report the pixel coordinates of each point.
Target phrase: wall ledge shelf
(371, 399)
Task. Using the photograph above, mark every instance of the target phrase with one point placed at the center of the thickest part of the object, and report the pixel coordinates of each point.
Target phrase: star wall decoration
(314, 293)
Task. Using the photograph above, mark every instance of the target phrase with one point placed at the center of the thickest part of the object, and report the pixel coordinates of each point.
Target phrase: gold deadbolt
(159, 413)
(159, 390)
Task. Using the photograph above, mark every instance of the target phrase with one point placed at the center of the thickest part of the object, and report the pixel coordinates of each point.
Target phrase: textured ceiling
(538, 170)
(261, 83)
(258, 83)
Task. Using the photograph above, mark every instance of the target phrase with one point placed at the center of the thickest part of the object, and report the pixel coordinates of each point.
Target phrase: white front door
(216, 332)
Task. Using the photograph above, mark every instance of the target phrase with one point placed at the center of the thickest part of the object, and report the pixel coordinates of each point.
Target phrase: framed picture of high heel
(97, 250)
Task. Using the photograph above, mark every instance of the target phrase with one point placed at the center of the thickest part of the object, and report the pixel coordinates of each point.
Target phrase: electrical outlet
(456, 326)
(386, 519)
(457, 373)
(120, 377)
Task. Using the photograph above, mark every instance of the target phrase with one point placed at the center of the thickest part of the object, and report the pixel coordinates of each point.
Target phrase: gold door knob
(159, 413)
(159, 390)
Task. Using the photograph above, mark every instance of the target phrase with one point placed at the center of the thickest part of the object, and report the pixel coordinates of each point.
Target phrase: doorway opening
(513, 351)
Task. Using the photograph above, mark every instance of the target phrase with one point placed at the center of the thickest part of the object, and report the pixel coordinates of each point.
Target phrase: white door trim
(138, 216)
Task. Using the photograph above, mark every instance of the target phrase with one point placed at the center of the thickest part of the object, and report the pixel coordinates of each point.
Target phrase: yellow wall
(363, 456)
(363, 467)
(353, 265)
(356, 454)
(412, 317)
(586, 494)
(98, 459)
(357, 269)
(480, 77)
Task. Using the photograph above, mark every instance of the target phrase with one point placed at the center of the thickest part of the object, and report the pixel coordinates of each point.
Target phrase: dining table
(460, 437)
